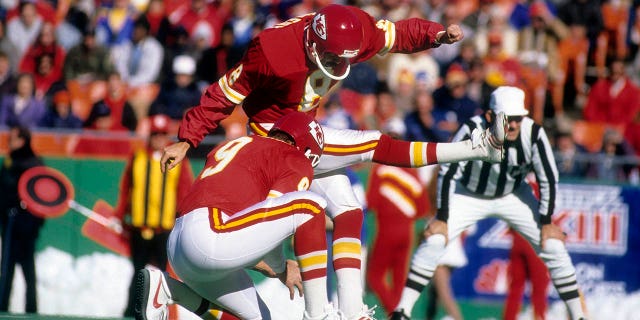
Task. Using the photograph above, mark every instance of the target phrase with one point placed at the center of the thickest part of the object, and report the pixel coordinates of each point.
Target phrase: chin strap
(315, 55)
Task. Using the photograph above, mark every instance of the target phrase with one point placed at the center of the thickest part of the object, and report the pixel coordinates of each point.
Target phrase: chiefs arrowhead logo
(492, 278)
(319, 26)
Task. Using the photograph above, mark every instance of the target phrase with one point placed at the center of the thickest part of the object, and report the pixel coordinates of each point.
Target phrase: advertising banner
(602, 224)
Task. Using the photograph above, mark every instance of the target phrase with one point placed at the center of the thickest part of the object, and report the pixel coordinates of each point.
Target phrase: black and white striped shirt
(530, 152)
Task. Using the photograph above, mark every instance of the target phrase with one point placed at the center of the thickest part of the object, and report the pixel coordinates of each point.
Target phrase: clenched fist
(452, 34)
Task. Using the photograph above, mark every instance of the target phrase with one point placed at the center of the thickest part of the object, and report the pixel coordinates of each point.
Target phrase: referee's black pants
(18, 247)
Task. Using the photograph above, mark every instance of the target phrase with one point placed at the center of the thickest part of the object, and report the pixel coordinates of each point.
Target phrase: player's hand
(436, 226)
(551, 231)
(265, 269)
(452, 34)
(291, 278)
(172, 155)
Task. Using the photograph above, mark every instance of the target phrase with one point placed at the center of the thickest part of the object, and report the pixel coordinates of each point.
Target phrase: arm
(544, 166)
(447, 176)
(217, 103)
(274, 265)
(275, 261)
(404, 36)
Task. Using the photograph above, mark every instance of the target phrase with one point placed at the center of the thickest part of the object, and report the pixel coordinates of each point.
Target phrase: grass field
(470, 310)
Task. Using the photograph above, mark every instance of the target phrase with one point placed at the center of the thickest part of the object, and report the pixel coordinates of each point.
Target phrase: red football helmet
(306, 133)
(332, 38)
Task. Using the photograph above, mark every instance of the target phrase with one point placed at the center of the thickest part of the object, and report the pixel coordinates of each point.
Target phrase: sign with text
(602, 224)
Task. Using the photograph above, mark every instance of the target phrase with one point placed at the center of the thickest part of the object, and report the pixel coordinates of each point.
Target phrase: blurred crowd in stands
(105, 65)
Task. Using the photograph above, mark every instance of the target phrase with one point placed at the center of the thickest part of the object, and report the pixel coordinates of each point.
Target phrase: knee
(556, 258)
(430, 251)
(437, 240)
(553, 246)
(314, 197)
(350, 217)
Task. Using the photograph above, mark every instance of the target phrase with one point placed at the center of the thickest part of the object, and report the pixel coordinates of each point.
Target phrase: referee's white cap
(509, 100)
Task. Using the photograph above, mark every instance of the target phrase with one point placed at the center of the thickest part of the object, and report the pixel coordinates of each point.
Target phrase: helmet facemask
(333, 37)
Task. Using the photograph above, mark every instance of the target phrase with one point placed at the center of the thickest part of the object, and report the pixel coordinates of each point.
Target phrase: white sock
(458, 151)
(575, 308)
(408, 300)
(315, 296)
(349, 291)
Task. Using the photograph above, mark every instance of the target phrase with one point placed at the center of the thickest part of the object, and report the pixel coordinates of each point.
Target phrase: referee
(469, 191)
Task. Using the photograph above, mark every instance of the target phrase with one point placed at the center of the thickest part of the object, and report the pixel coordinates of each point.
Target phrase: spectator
(139, 62)
(634, 45)
(385, 109)
(498, 23)
(421, 123)
(180, 93)
(114, 26)
(23, 30)
(19, 227)
(335, 116)
(589, 14)
(500, 69)
(180, 44)
(9, 48)
(77, 16)
(7, 78)
(611, 100)
(452, 103)
(478, 88)
(468, 53)
(607, 166)
(357, 92)
(120, 113)
(100, 118)
(203, 18)
(88, 61)
(22, 108)
(45, 45)
(422, 71)
(242, 22)
(612, 41)
(632, 133)
(60, 115)
(525, 264)
(570, 88)
(480, 18)
(68, 34)
(159, 25)
(147, 201)
(46, 79)
(568, 156)
(214, 61)
(538, 46)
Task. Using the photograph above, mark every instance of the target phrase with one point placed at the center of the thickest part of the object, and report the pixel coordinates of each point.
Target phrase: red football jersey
(242, 172)
(276, 77)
